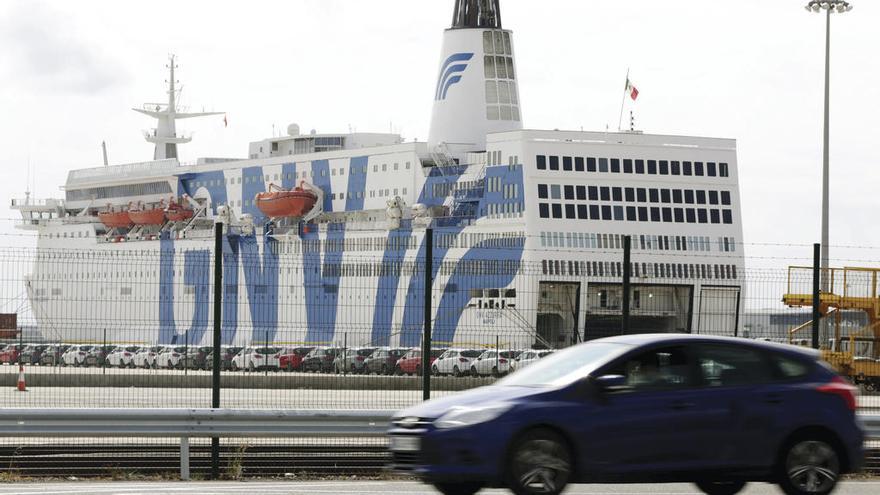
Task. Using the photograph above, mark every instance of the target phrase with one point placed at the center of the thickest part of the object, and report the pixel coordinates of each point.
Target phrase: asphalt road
(364, 487)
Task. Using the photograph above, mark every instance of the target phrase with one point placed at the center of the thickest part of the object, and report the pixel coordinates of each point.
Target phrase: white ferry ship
(528, 228)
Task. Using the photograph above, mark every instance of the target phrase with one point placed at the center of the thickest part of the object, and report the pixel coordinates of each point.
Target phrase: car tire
(721, 487)
(289, 367)
(456, 371)
(435, 371)
(495, 372)
(252, 368)
(474, 371)
(806, 461)
(539, 462)
(458, 488)
(384, 369)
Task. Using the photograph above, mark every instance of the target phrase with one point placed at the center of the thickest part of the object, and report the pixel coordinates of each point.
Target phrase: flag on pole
(632, 90)
(225, 122)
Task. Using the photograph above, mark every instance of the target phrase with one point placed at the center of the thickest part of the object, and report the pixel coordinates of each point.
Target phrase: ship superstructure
(528, 228)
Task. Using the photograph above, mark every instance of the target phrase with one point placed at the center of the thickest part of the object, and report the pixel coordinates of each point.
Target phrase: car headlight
(458, 417)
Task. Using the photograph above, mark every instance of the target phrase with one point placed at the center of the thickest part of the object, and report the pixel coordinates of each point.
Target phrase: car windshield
(132, 348)
(86, 347)
(179, 349)
(471, 354)
(233, 350)
(302, 351)
(565, 366)
(267, 350)
(365, 352)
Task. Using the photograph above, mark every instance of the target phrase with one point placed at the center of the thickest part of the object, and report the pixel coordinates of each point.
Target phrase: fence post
(218, 315)
(266, 360)
(184, 458)
(186, 352)
(627, 247)
(817, 251)
(104, 352)
(426, 338)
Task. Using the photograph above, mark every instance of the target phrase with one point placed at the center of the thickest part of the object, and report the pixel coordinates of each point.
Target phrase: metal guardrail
(189, 423)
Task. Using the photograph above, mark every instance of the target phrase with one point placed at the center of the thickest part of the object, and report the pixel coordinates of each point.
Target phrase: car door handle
(680, 405)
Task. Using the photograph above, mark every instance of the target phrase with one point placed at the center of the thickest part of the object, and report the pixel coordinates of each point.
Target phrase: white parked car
(529, 357)
(146, 356)
(257, 358)
(79, 355)
(122, 356)
(492, 363)
(455, 361)
(171, 357)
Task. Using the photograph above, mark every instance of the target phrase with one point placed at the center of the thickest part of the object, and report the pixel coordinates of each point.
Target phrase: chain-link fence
(338, 324)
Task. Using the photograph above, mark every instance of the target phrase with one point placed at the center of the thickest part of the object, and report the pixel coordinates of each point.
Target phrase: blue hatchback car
(642, 408)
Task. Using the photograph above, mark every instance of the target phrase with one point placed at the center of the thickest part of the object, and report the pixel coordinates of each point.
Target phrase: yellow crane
(856, 354)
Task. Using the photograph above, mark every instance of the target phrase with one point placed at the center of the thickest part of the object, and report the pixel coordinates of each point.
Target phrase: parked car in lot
(171, 357)
(258, 358)
(455, 361)
(383, 360)
(492, 363)
(79, 355)
(196, 357)
(9, 354)
(52, 355)
(145, 357)
(529, 357)
(101, 352)
(411, 362)
(122, 356)
(291, 358)
(352, 360)
(320, 359)
(227, 353)
(32, 353)
(715, 411)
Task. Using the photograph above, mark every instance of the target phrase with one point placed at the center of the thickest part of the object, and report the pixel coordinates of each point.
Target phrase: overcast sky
(750, 70)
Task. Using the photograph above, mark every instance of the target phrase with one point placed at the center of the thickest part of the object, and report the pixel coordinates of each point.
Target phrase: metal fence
(340, 324)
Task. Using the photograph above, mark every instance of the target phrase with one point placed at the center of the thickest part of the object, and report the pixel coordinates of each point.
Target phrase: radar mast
(165, 135)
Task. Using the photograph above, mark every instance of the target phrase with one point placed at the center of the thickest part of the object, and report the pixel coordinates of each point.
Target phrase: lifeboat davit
(281, 203)
(177, 212)
(144, 216)
(115, 219)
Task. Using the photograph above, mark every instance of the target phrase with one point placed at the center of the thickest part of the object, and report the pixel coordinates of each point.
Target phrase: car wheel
(121, 365)
(809, 466)
(456, 371)
(384, 369)
(458, 488)
(435, 371)
(540, 462)
(289, 367)
(495, 372)
(474, 371)
(721, 487)
(252, 368)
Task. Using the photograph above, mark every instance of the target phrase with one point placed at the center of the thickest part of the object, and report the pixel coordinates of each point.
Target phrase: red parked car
(9, 354)
(411, 362)
(291, 358)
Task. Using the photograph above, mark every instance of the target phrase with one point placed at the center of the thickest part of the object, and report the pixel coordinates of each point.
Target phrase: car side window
(730, 366)
(658, 369)
(788, 368)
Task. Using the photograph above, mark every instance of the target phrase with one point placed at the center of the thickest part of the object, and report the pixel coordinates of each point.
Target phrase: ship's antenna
(104, 149)
(165, 136)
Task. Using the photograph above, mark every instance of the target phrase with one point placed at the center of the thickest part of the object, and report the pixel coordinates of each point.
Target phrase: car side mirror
(610, 383)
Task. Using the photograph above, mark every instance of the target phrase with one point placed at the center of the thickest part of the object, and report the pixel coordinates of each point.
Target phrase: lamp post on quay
(830, 7)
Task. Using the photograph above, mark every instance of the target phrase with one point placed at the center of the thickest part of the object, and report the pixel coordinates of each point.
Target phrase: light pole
(829, 6)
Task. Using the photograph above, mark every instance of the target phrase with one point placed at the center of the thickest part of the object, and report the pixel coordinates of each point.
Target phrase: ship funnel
(476, 91)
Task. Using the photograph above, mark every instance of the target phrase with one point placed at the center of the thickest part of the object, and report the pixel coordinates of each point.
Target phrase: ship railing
(48, 202)
(124, 169)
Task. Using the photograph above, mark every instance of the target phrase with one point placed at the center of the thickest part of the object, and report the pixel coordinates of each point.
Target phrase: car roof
(676, 338)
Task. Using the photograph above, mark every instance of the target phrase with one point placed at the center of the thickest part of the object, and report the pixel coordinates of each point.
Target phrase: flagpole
(623, 101)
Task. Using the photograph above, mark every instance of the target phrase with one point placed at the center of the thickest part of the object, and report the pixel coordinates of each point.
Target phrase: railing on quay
(216, 423)
(191, 423)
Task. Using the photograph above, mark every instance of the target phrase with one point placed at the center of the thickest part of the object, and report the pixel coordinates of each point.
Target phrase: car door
(740, 380)
(659, 421)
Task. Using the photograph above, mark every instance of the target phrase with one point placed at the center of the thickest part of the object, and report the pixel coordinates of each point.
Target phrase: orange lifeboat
(143, 216)
(115, 219)
(281, 203)
(177, 212)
